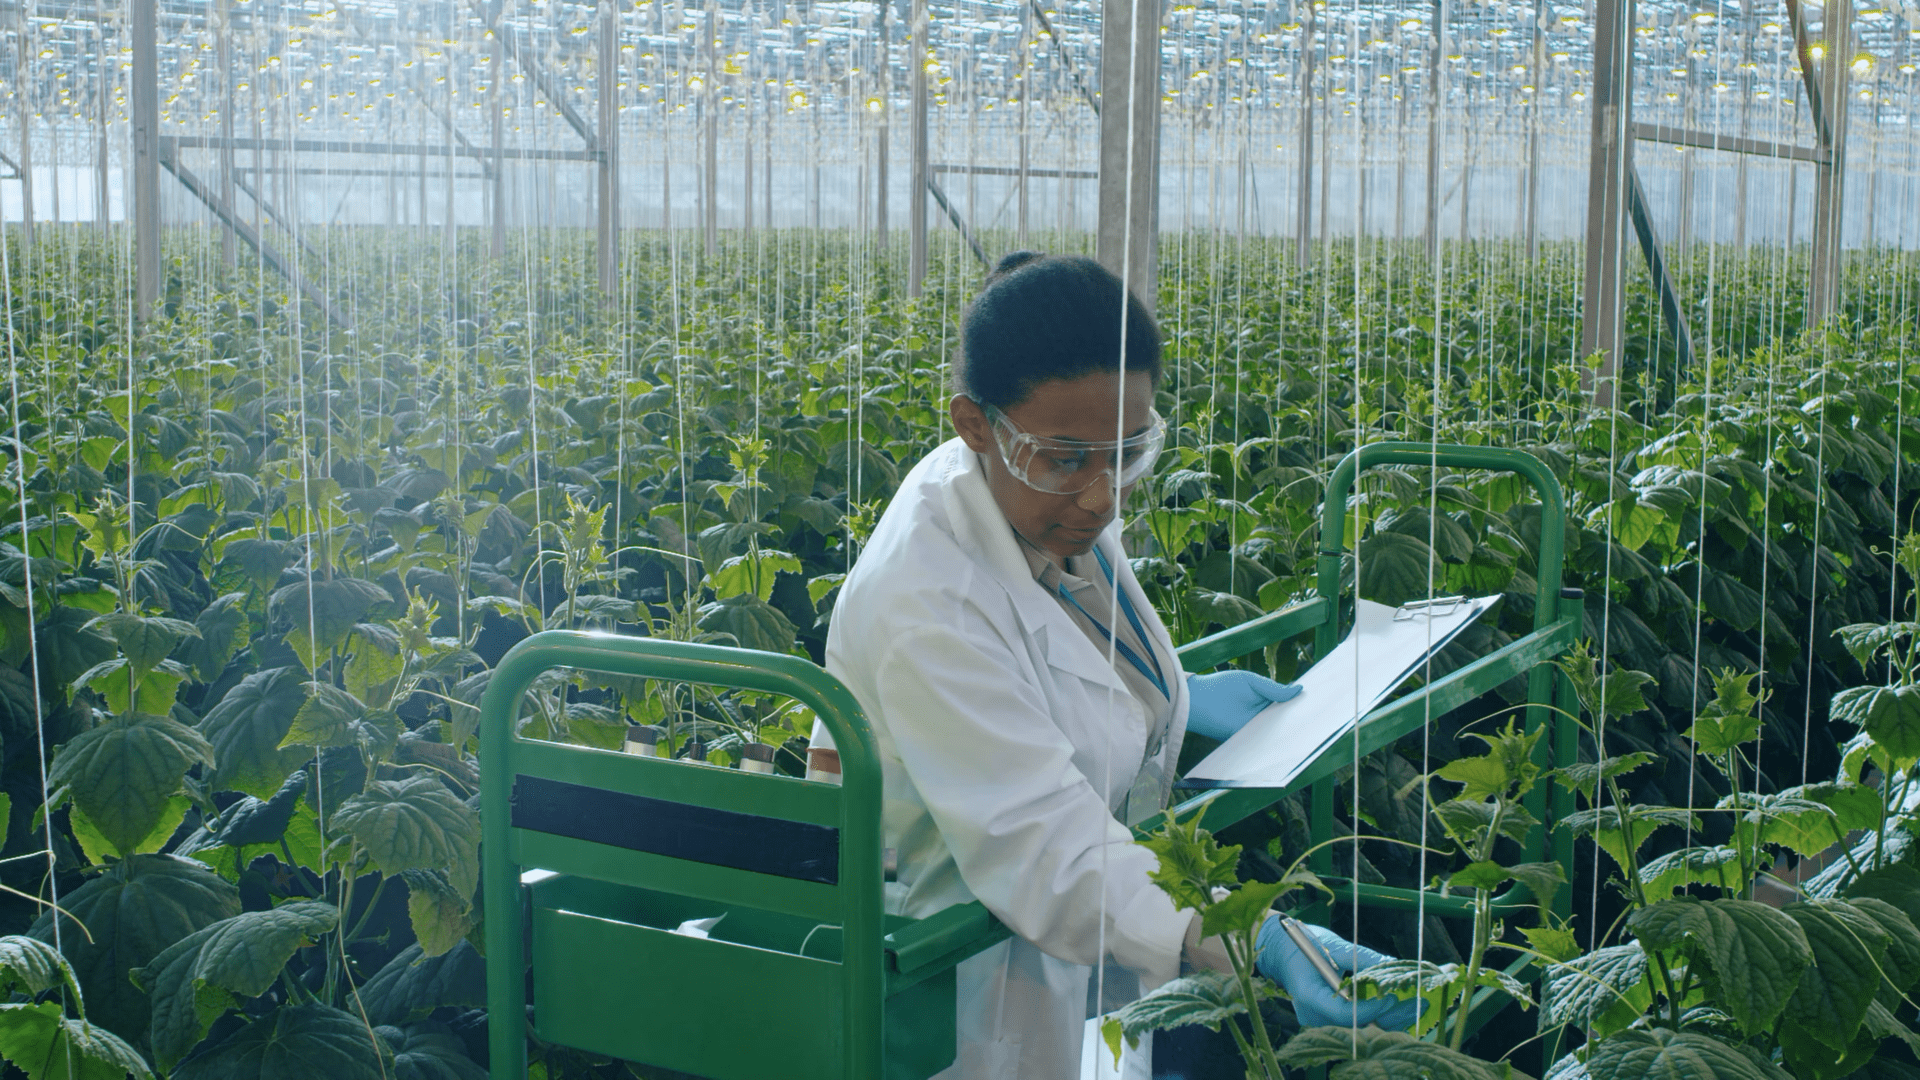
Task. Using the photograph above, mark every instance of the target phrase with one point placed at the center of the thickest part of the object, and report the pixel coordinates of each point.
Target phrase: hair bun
(1013, 261)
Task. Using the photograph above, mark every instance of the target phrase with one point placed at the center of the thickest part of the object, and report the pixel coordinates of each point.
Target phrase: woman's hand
(1316, 1003)
(1221, 703)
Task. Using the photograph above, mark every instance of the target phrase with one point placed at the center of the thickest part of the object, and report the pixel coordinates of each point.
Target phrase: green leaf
(414, 824)
(438, 912)
(223, 629)
(1206, 998)
(1586, 777)
(736, 575)
(1811, 1058)
(133, 911)
(1663, 1054)
(197, 979)
(1372, 1054)
(1901, 963)
(125, 691)
(261, 562)
(1480, 875)
(123, 773)
(1396, 568)
(326, 718)
(293, 1041)
(145, 641)
(414, 984)
(1554, 942)
(751, 621)
(1867, 640)
(1891, 715)
(1604, 991)
(46, 1044)
(1465, 820)
(1898, 885)
(325, 610)
(246, 729)
(430, 1051)
(1754, 955)
(1717, 866)
(100, 850)
(1224, 608)
(1192, 862)
(1243, 909)
(69, 646)
(33, 966)
(1835, 990)
(1542, 879)
(1618, 833)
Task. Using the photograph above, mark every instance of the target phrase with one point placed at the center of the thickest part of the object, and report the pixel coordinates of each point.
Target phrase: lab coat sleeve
(1030, 833)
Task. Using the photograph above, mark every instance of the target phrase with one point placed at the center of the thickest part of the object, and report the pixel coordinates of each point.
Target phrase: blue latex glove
(1314, 1002)
(1221, 703)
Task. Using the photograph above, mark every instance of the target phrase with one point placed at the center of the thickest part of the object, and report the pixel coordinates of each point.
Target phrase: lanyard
(1152, 674)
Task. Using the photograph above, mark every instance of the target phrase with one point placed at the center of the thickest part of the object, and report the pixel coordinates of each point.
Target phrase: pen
(1316, 956)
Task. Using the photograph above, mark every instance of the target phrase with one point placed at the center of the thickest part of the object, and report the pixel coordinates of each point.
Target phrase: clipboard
(1385, 648)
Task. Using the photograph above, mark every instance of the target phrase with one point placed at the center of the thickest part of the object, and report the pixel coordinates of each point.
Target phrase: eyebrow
(1134, 434)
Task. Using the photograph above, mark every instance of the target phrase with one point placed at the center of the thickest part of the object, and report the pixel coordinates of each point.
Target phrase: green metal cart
(594, 858)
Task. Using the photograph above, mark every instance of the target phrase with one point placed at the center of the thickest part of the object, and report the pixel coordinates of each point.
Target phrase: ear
(971, 423)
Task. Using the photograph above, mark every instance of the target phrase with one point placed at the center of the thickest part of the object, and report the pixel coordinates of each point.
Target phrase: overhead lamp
(1409, 24)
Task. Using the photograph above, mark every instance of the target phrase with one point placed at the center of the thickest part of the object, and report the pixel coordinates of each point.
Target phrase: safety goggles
(1067, 467)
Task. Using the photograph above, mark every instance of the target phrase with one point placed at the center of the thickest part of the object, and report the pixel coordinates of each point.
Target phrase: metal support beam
(273, 215)
(917, 133)
(607, 88)
(341, 146)
(959, 224)
(710, 123)
(1670, 308)
(1536, 70)
(146, 159)
(1303, 216)
(883, 70)
(1002, 170)
(1823, 299)
(1066, 61)
(1130, 143)
(1437, 76)
(287, 268)
(1706, 140)
(223, 56)
(1609, 164)
(496, 104)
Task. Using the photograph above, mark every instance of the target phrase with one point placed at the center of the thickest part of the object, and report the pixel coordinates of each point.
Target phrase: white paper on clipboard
(1386, 647)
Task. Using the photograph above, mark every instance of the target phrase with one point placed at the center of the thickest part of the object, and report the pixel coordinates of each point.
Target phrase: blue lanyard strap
(1152, 673)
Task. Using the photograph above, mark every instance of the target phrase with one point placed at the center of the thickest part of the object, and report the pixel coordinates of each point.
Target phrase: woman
(976, 630)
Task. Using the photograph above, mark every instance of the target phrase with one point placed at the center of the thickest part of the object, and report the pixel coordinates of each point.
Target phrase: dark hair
(1046, 317)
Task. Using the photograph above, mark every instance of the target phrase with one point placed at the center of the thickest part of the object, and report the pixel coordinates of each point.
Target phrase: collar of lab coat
(982, 532)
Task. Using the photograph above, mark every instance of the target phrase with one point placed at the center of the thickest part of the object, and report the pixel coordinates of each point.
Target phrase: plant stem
(1482, 934)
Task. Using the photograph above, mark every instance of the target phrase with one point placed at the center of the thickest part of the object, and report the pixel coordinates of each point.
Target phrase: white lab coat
(1014, 758)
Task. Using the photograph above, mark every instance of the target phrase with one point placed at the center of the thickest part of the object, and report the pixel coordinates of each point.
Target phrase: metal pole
(1610, 157)
(103, 91)
(1538, 70)
(917, 193)
(24, 91)
(607, 87)
(1024, 60)
(883, 75)
(1436, 93)
(710, 110)
(1835, 65)
(495, 64)
(146, 159)
(1130, 142)
(224, 58)
(1303, 218)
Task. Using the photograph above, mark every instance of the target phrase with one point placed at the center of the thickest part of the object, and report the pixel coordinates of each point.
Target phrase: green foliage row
(254, 568)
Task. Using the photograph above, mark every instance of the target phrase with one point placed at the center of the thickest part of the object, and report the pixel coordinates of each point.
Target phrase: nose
(1097, 498)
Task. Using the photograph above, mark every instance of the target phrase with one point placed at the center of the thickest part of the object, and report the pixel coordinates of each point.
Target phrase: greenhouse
(979, 539)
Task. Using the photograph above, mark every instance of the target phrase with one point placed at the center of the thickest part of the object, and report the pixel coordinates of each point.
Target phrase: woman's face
(1082, 410)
